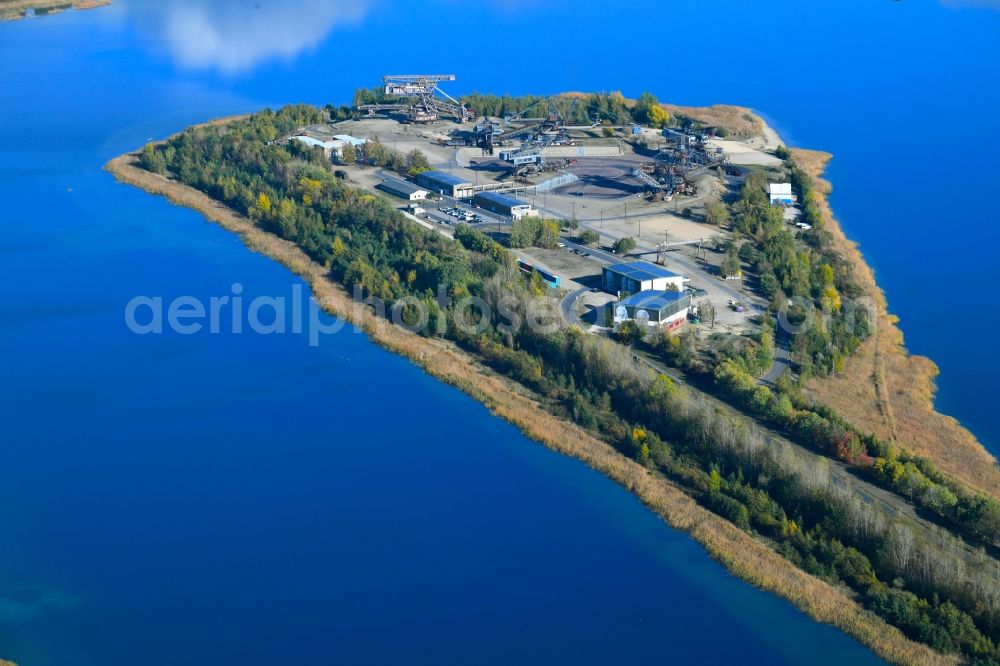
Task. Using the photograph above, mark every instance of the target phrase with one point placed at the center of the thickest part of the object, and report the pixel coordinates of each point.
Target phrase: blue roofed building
(635, 276)
(654, 307)
(501, 204)
(445, 184)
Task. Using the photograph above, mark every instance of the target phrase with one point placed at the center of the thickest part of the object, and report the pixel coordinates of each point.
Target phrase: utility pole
(602, 219)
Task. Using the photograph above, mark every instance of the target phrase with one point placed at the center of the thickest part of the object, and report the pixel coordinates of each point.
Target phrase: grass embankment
(11, 10)
(883, 388)
(749, 558)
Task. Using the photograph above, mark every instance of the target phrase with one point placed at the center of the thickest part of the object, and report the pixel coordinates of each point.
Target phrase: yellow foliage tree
(263, 203)
(658, 117)
(831, 299)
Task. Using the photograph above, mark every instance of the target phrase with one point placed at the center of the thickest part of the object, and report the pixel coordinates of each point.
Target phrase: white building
(348, 139)
(780, 194)
(404, 190)
(330, 147)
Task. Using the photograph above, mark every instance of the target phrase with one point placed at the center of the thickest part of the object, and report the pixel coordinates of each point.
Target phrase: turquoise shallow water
(246, 499)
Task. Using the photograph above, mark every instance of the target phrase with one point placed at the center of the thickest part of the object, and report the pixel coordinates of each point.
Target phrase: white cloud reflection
(233, 36)
(980, 4)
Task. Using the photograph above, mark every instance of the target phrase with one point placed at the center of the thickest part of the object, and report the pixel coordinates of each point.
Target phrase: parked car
(560, 244)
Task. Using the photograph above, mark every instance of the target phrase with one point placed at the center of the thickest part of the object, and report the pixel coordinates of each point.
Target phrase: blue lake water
(218, 499)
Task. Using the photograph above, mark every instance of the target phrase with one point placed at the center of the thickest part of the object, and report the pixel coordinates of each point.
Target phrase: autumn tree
(649, 110)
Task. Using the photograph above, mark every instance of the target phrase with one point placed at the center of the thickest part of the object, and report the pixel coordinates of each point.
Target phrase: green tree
(731, 262)
(716, 213)
(348, 154)
(623, 245)
(588, 237)
(629, 331)
(153, 160)
(525, 232)
(377, 153)
(416, 163)
(649, 110)
(714, 481)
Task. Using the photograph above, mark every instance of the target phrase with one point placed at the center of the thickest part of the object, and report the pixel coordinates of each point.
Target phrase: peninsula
(12, 10)
(661, 292)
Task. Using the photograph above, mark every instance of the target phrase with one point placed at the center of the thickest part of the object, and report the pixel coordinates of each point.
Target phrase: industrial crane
(549, 131)
(422, 90)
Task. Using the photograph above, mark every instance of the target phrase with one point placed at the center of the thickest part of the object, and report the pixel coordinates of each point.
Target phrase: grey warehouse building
(404, 190)
(445, 184)
(501, 204)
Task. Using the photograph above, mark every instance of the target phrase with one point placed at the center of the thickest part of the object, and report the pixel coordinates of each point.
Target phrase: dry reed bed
(739, 120)
(886, 390)
(750, 559)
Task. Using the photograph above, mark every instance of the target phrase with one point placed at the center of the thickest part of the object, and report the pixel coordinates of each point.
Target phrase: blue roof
(653, 299)
(641, 270)
(443, 178)
(501, 199)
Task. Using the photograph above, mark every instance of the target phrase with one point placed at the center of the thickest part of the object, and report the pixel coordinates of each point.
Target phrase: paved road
(566, 307)
(782, 357)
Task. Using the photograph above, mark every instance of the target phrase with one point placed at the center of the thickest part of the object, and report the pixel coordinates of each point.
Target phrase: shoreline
(745, 556)
(886, 390)
(14, 10)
